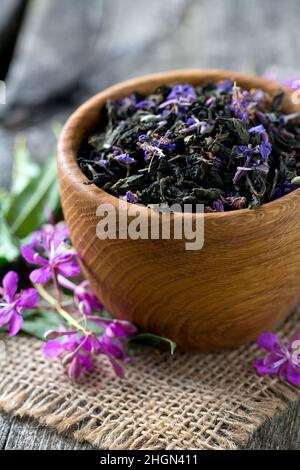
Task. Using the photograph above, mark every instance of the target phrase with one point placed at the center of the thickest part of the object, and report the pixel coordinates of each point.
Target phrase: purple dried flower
(281, 360)
(265, 150)
(190, 121)
(194, 125)
(126, 102)
(277, 193)
(143, 138)
(225, 86)
(125, 159)
(257, 129)
(242, 170)
(241, 103)
(13, 304)
(184, 91)
(181, 96)
(53, 255)
(218, 205)
(245, 150)
(144, 104)
(210, 101)
(235, 202)
(131, 197)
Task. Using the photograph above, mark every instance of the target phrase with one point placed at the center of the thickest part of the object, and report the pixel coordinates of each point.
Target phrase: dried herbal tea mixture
(216, 144)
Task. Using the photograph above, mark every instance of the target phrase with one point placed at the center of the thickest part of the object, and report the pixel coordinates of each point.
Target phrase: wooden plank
(28, 435)
(282, 432)
(5, 422)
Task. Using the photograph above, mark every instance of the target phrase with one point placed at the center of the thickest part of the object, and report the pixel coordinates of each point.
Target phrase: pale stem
(52, 301)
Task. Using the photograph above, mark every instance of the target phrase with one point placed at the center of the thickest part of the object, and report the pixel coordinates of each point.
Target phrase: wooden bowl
(244, 281)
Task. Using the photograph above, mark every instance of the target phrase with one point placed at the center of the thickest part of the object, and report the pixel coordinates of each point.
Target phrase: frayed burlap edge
(189, 401)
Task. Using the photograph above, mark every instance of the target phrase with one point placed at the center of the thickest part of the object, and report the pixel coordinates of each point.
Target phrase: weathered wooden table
(56, 53)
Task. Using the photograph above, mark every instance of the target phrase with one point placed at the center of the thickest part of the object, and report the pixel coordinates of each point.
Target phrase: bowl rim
(67, 155)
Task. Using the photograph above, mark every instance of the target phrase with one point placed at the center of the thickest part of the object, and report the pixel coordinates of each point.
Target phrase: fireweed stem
(52, 301)
(59, 296)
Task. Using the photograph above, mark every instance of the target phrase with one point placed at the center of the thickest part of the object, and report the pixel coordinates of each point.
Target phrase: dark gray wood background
(56, 53)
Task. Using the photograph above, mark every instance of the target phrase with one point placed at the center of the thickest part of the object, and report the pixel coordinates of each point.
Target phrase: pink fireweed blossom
(77, 351)
(282, 360)
(60, 232)
(50, 251)
(115, 338)
(82, 295)
(13, 304)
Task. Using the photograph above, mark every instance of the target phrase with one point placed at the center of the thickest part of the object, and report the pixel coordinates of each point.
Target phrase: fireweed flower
(77, 351)
(282, 360)
(13, 304)
(125, 159)
(60, 231)
(74, 351)
(53, 255)
(114, 339)
(82, 295)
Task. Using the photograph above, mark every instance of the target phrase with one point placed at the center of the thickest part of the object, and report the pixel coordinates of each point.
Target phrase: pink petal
(69, 269)
(41, 275)
(10, 283)
(53, 348)
(74, 369)
(31, 256)
(15, 324)
(263, 368)
(28, 298)
(119, 370)
(86, 361)
(123, 328)
(269, 342)
(292, 374)
(87, 306)
(5, 315)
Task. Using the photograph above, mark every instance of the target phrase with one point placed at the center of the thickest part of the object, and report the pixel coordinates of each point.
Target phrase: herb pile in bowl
(216, 144)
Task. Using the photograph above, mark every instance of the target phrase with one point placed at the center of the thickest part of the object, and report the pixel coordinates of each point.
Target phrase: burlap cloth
(188, 401)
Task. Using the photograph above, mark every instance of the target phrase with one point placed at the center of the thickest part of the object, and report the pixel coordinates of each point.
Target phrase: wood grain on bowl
(245, 279)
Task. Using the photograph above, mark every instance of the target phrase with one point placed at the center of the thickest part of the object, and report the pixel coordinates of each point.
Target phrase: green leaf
(24, 168)
(149, 339)
(27, 209)
(38, 323)
(9, 246)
